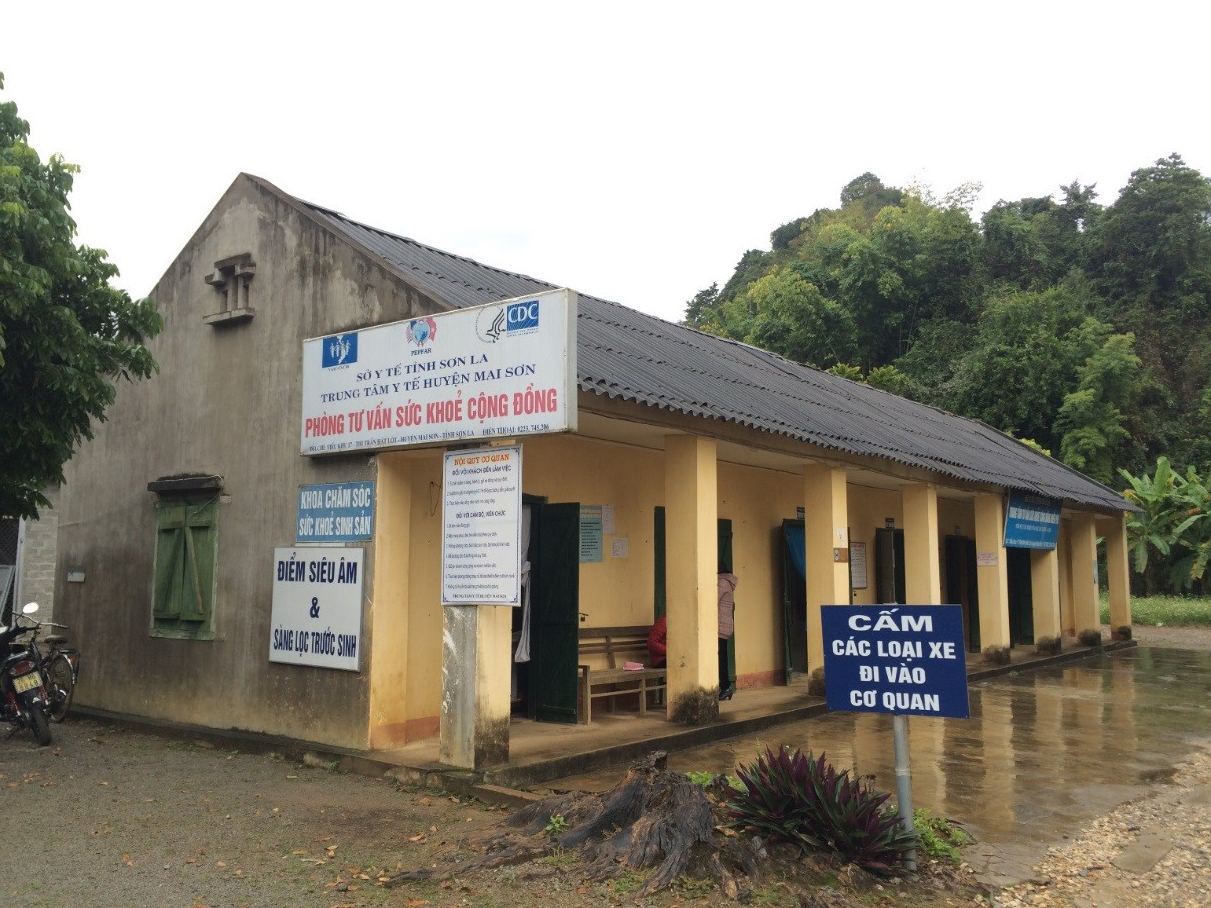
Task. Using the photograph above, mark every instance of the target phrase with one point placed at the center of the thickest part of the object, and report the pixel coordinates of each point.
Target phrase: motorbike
(23, 698)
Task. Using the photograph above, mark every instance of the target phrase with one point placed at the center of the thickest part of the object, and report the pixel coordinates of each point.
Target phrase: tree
(1153, 245)
(66, 335)
(788, 315)
(1091, 419)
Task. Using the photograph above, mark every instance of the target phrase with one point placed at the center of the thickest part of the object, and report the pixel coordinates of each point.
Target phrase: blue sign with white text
(1032, 521)
(336, 512)
(905, 659)
(521, 317)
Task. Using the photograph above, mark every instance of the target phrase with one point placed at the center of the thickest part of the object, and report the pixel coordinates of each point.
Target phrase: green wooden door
(555, 636)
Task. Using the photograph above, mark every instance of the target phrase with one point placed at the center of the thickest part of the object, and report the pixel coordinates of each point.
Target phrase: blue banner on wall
(1032, 521)
(906, 659)
(336, 512)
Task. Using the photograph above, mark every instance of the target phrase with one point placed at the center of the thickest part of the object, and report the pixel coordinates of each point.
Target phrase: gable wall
(226, 401)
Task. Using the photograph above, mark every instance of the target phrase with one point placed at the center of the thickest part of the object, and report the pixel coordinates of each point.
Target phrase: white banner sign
(481, 527)
(316, 616)
(504, 369)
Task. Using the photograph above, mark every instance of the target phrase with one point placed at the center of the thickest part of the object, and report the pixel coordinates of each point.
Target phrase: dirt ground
(113, 817)
(108, 816)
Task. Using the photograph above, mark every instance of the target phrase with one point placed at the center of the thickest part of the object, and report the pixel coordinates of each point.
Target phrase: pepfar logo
(521, 317)
(340, 350)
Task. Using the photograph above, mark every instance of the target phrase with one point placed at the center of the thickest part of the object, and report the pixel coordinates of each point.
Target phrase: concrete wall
(227, 401)
(36, 559)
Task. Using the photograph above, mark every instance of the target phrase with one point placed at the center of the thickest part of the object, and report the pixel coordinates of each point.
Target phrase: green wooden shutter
(170, 545)
(198, 561)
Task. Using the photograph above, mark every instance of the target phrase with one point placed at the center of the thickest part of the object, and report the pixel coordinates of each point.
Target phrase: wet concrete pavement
(1044, 752)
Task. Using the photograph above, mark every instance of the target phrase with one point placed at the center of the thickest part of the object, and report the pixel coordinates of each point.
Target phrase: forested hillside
(1083, 327)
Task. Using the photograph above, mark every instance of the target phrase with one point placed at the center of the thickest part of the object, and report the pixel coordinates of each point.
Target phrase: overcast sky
(632, 151)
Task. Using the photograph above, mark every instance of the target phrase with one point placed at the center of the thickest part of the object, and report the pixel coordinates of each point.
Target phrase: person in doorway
(727, 627)
(658, 642)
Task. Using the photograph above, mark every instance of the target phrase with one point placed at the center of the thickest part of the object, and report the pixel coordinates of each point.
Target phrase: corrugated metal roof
(626, 354)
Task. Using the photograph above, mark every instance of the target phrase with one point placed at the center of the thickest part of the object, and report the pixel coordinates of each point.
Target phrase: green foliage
(888, 378)
(66, 335)
(1091, 420)
(1084, 328)
(1170, 538)
(844, 370)
(804, 800)
(556, 825)
(787, 314)
(938, 837)
(713, 779)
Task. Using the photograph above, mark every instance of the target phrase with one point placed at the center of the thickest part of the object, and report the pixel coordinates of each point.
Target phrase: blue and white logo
(340, 350)
(521, 317)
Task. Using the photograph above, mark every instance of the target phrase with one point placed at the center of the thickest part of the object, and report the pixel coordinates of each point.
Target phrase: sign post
(903, 660)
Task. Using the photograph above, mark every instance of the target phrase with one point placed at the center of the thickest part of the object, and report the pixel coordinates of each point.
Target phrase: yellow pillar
(1064, 550)
(1118, 577)
(991, 573)
(1084, 574)
(389, 602)
(691, 577)
(826, 535)
(922, 568)
(1045, 593)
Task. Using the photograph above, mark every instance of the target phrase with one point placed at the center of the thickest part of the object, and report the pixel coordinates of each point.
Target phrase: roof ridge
(407, 239)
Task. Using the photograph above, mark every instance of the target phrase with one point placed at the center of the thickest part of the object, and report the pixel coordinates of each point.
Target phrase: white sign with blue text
(336, 512)
(481, 526)
(906, 659)
(316, 615)
(1032, 521)
(501, 370)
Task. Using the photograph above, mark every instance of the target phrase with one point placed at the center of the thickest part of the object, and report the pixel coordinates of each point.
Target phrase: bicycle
(60, 669)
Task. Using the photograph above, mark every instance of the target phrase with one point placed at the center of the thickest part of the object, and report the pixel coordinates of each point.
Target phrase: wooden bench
(619, 645)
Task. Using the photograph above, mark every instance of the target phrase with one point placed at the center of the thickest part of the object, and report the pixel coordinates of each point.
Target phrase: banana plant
(1172, 523)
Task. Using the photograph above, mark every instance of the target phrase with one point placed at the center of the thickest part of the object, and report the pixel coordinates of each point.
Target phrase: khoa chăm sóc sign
(336, 512)
(905, 659)
(501, 370)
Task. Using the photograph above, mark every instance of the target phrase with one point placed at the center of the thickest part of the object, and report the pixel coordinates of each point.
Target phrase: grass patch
(938, 837)
(560, 858)
(1169, 611)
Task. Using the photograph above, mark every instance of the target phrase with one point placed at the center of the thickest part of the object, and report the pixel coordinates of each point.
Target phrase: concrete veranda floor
(541, 753)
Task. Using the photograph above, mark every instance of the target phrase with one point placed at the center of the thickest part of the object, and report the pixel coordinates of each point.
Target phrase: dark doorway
(889, 565)
(962, 586)
(794, 598)
(727, 650)
(1021, 596)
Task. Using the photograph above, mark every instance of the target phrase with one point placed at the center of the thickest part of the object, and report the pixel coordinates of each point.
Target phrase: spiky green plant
(804, 800)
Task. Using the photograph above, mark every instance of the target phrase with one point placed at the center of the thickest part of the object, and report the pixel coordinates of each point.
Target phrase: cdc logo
(521, 317)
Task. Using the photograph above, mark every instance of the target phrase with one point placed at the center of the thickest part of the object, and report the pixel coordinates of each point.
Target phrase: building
(27, 561)
(181, 520)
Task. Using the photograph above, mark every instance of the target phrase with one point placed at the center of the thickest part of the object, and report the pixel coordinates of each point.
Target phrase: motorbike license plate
(22, 683)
